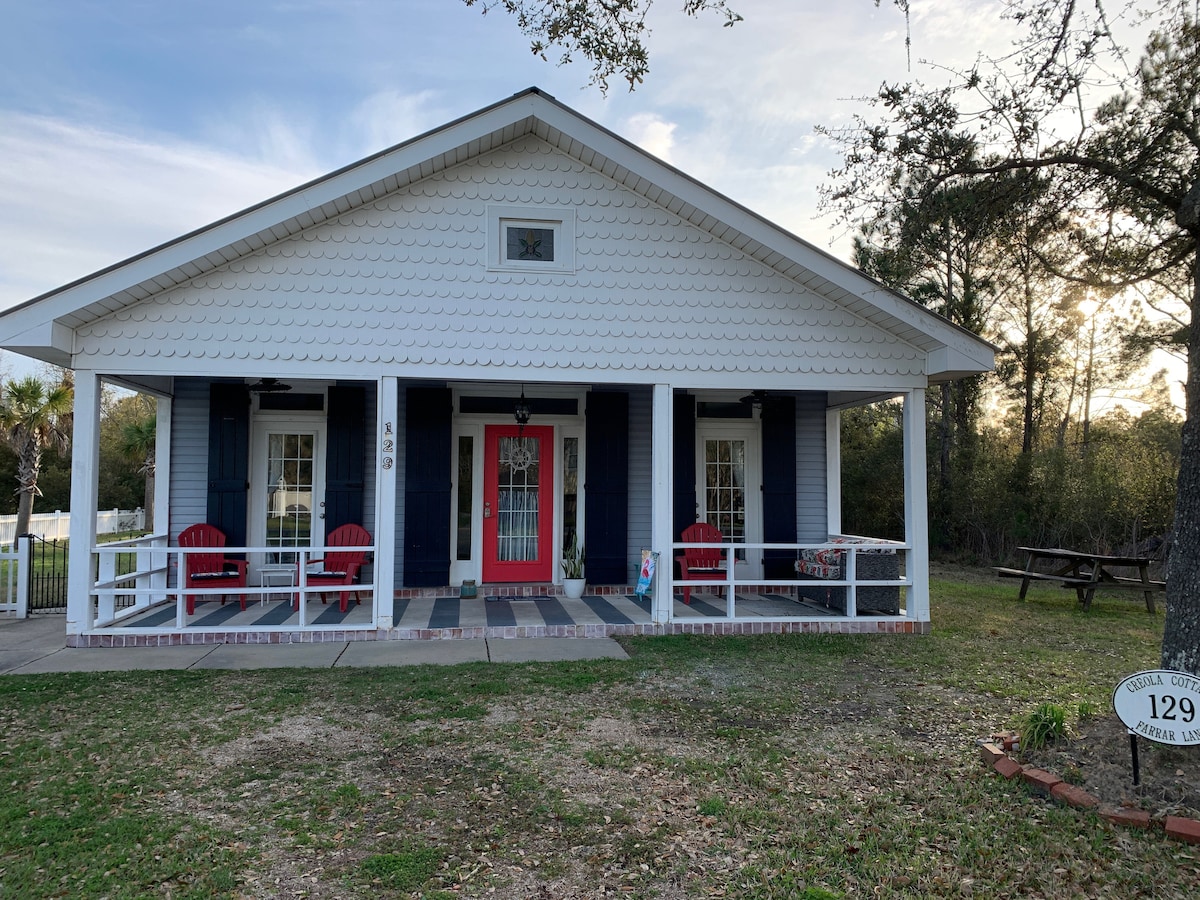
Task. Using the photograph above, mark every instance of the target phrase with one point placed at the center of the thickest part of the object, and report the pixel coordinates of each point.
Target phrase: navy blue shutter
(684, 463)
(606, 497)
(779, 484)
(344, 457)
(427, 477)
(229, 459)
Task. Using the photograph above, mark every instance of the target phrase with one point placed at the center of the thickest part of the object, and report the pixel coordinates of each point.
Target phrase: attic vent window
(525, 243)
(532, 239)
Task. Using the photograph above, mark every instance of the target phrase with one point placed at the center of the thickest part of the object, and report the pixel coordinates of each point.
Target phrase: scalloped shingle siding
(403, 282)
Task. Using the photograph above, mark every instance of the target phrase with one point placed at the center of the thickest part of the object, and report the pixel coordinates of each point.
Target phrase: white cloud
(652, 133)
(77, 199)
(389, 117)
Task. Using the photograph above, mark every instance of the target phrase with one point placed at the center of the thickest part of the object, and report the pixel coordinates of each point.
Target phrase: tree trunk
(24, 511)
(945, 440)
(148, 503)
(29, 464)
(1029, 375)
(1181, 635)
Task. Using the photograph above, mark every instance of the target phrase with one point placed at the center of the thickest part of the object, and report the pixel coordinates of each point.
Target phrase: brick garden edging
(1047, 783)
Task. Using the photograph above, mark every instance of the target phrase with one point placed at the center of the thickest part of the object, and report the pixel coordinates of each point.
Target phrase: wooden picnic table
(1085, 572)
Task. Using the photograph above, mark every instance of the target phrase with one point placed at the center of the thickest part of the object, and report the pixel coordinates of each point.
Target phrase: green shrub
(1043, 726)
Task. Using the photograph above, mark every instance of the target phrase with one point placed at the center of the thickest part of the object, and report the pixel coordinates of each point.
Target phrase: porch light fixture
(269, 386)
(521, 412)
(755, 398)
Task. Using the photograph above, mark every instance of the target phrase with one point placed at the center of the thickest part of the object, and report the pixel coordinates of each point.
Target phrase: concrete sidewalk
(37, 645)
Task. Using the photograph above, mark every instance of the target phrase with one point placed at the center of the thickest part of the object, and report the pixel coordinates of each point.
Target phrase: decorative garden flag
(646, 578)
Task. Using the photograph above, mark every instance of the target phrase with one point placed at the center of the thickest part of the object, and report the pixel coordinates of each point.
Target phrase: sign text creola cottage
(1160, 705)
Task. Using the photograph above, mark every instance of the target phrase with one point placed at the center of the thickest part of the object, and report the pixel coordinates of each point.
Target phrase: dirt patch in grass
(296, 737)
(1097, 757)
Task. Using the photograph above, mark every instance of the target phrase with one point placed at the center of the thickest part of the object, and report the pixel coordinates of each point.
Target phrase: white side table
(277, 576)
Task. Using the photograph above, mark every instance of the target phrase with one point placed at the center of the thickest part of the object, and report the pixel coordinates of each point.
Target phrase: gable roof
(43, 327)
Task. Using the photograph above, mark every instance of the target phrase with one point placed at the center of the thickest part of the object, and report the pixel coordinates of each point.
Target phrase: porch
(136, 603)
(434, 618)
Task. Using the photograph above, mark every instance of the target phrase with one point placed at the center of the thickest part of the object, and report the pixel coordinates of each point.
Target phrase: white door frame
(265, 423)
(472, 425)
(747, 430)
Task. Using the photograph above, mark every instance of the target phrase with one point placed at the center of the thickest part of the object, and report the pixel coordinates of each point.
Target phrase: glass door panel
(725, 486)
(728, 492)
(291, 492)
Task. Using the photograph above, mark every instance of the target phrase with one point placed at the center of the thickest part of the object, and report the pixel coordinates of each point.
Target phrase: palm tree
(34, 417)
(137, 443)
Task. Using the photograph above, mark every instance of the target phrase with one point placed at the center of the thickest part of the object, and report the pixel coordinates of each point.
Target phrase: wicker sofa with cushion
(829, 564)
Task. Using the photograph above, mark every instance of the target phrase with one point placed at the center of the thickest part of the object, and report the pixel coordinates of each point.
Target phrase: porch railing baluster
(850, 582)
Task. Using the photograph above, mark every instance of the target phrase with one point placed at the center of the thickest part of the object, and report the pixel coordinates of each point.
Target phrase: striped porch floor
(453, 613)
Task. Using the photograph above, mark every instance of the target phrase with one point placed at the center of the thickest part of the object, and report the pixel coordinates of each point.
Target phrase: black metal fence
(47, 575)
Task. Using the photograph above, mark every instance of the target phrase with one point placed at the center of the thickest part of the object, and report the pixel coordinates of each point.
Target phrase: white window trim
(561, 221)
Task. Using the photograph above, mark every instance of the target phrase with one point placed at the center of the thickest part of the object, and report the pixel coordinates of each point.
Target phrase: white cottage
(510, 333)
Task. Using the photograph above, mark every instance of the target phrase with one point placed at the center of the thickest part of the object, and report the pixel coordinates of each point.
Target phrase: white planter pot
(573, 587)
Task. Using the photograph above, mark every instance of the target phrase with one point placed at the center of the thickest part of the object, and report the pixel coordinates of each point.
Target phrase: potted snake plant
(572, 563)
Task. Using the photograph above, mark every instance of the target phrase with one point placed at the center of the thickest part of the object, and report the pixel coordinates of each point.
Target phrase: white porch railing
(852, 549)
(133, 576)
(118, 595)
(156, 579)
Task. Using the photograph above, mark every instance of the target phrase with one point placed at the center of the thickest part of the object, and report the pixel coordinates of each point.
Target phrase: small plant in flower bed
(1045, 725)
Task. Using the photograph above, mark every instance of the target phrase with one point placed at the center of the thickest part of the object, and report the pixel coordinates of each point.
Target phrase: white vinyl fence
(14, 591)
(57, 525)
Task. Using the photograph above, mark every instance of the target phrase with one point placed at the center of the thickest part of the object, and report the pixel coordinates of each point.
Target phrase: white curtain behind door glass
(725, 486)
(289, 491)
(517, 523)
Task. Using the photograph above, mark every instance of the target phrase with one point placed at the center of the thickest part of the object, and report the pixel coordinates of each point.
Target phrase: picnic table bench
(1084, 572)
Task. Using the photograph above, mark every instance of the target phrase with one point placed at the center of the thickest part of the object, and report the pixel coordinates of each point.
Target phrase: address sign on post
(1160, 705)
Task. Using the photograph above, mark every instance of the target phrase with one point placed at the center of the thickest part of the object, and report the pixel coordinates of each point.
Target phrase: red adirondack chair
(341, 563)
(700, 563)
(209, 570)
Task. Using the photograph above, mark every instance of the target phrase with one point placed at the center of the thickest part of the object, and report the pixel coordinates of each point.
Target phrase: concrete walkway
(37, 645)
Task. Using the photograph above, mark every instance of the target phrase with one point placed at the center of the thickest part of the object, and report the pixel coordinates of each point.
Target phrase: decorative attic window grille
(527, 243)
(525, 239)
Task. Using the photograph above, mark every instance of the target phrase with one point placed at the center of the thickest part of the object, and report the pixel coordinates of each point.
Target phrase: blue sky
(124, 123)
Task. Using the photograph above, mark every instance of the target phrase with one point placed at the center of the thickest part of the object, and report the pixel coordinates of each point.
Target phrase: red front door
(518, 503)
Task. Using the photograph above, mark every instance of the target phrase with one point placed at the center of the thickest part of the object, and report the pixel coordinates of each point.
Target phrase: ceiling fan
(269, 386)
(755, 398)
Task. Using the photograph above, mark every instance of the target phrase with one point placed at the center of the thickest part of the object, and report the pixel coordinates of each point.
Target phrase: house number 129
(1169, 704)
(389, 444)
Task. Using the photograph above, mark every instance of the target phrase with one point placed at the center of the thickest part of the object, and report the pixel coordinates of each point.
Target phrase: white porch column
(833, 471)
(385, 499)
(916, 504)
(162, 490)
(162, 465)
(85, 459)
(661, 531)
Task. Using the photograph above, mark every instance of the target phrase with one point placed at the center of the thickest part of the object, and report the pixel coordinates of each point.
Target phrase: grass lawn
(764, 767)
